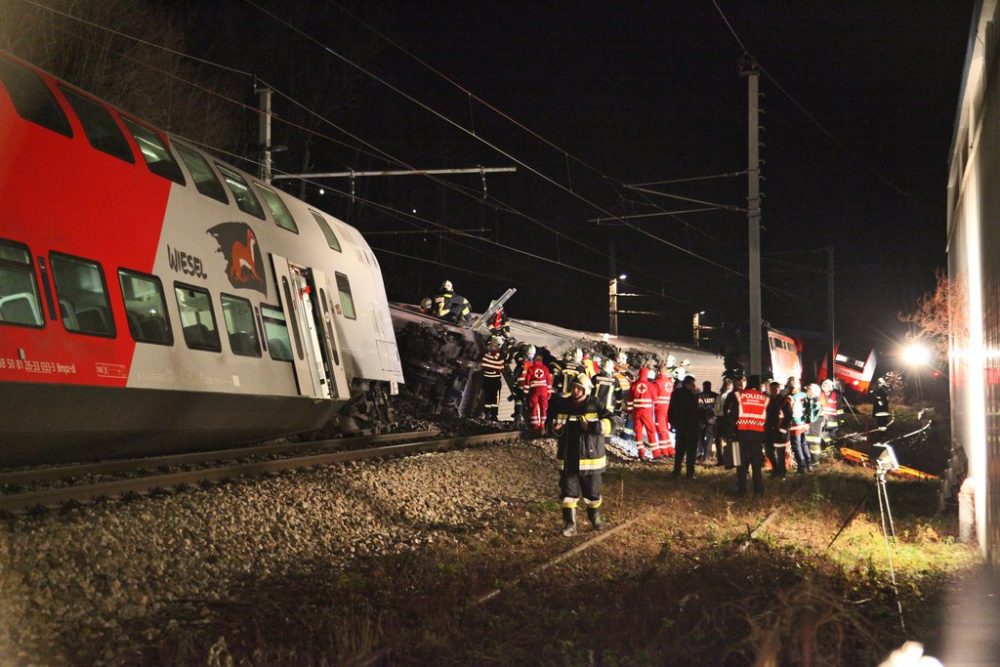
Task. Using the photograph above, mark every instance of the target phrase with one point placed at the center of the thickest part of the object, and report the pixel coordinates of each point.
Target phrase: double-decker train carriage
(153, 297)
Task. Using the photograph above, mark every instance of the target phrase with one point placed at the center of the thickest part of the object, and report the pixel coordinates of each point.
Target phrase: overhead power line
(840, 144)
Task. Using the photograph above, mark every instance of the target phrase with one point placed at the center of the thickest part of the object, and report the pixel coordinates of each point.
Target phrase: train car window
(32, 99)
(346, 299)
(276, 332)
(101, 130)
(146, 308)
(295, 325)
(242, 192)
(155, 152)
(19, 300)
(204, 178)
(240, 326)
(282, 216)
(331, 238)
(197, 318)
(83, 295)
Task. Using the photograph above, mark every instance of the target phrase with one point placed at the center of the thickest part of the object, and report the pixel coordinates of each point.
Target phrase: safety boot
(569, 521)
(594, 515)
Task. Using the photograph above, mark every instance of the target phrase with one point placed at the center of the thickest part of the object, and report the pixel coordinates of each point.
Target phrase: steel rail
(53, 497)
(21, 477)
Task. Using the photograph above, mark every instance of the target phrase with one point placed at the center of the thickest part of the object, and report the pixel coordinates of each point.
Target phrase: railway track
(53, 497)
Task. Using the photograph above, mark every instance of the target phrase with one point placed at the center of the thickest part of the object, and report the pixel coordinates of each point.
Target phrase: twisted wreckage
(441, 360)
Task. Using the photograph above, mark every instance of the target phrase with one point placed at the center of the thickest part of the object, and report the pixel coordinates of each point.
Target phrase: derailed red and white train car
(153, 297)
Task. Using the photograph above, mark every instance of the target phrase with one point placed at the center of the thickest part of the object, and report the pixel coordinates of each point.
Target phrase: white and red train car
(154, 297)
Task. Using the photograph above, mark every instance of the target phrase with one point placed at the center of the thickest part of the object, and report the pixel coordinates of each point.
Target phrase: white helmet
(608, 367)
(530, 353)
(577, 355)
(622, 358)
(651, 373)
(447, 286)
(827, 385)
(671, 360)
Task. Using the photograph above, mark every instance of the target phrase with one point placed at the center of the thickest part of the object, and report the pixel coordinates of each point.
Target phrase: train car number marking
(111, 370)
(32, 366)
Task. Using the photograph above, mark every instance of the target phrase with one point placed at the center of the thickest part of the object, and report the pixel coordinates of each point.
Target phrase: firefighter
(451, 306)
(723, 426)
(623, 375)
(664, 391)
(880, 408)
(796, 399)
(684, 417)
(493, 365)
(427, 306)
(606, 388)
(641, 399)
(524, 359)
(681, 371)
(572, 366)
(832, 410)
(499, 326)
(539, 388)
(750, 408)
(777, 422)
(815, 419)
(583, 426)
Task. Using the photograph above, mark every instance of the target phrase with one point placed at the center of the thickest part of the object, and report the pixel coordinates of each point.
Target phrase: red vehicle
(153, 297)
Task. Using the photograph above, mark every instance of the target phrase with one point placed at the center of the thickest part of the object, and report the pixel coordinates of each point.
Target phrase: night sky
(650, 93)
(599, 95)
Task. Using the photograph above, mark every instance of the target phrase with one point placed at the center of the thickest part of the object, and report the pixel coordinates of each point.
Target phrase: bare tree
(156, 85)
(940, 313)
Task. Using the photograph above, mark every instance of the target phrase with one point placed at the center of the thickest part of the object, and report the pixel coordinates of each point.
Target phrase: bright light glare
(623, 276)
(916, 354)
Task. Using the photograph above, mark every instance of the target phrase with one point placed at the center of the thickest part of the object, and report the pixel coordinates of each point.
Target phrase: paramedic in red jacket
(642, 397)
(664, 390)
(539, 380)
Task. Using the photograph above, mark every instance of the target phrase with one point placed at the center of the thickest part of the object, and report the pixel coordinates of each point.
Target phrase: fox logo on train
(244, 260)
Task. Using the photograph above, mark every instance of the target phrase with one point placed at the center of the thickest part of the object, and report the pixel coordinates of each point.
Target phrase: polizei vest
(752, 405)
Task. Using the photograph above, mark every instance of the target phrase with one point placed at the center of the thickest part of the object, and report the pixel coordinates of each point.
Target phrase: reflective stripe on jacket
(752, 410)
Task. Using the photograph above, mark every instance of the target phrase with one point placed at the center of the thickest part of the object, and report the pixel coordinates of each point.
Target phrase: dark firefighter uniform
(499, 326)
(880, 407)
(493, 364)
(451, 306)
(605, 391)
(777, 427)
(583, 426)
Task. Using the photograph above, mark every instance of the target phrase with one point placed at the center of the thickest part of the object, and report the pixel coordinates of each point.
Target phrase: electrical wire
(808, 115)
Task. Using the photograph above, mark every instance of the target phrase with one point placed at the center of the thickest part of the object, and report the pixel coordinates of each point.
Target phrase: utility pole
(830, 312)
(612, 291)
(264, 132)
(748, 70)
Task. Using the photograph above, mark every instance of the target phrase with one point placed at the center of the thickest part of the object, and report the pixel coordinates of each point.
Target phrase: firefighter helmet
(426, 304)
(671, 360)
(530, 352)
(577, 355)
(609, 367)
(583, 382)
(495, 342)
(880, 382)
(447, 286)
(623, 358)
(651, 373)
(827, 385)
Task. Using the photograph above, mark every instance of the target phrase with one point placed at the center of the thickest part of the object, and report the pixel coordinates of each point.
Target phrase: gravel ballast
(98, 583)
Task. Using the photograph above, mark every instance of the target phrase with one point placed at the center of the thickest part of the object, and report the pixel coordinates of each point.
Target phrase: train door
(323, 313)
(314, 349)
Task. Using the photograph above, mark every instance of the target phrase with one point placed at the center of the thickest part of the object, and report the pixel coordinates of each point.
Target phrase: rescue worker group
(649, 409)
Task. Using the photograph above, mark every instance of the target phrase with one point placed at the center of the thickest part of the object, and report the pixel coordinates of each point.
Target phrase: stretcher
(859, 458)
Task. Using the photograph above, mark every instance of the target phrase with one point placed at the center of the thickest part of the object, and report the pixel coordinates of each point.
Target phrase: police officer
(750, 406)
(583, 426)
(684, 416)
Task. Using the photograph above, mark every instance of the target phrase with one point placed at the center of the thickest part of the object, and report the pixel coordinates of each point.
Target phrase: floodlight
(916, 354)
(885, 458)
